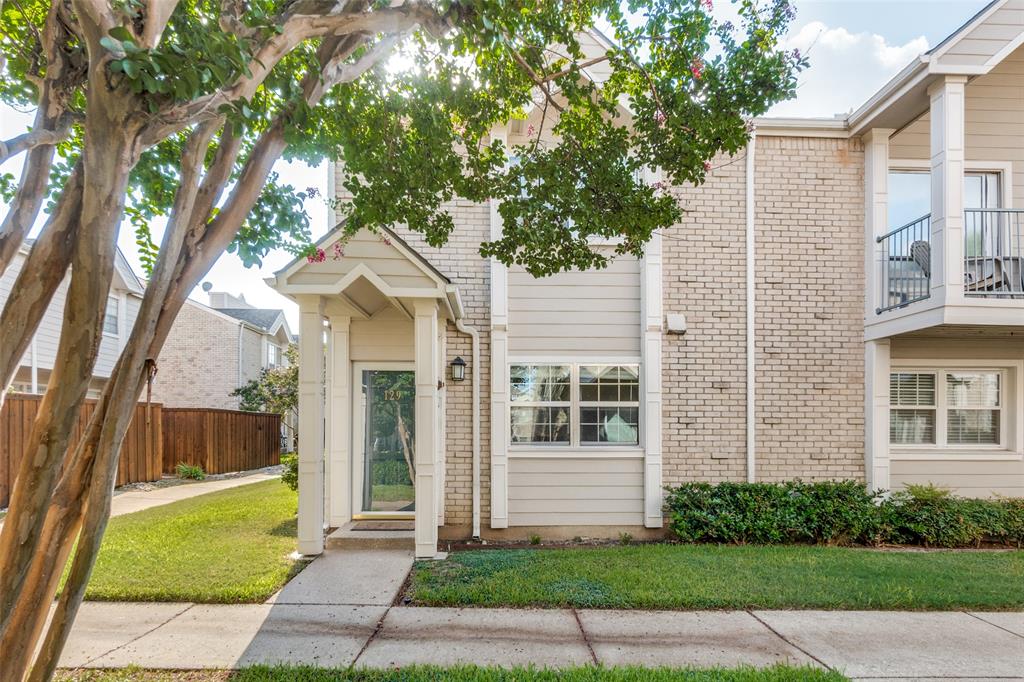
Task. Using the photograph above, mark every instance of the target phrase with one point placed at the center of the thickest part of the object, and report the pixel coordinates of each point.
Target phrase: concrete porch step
(350, 536)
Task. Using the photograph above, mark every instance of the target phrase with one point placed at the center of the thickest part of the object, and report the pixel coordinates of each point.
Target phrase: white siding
(386, 337)
(964, 475)
(988, 38)
(568, 491)
(994, 111)
(590, 313)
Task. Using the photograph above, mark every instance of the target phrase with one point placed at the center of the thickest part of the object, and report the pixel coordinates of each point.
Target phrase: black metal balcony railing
(905, 267)
(994, 252)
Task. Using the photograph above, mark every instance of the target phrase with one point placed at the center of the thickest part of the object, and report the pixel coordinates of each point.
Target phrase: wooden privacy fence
(220, 440)
(141, 453)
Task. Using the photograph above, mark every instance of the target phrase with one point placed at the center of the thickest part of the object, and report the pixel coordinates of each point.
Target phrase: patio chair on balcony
(921, 254)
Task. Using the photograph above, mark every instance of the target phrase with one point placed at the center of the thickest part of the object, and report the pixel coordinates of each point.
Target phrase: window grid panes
(582, 405)
(609, 404)
(946, 408)
(541, 402)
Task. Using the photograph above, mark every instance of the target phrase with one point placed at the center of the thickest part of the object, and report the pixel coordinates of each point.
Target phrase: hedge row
(840, 513)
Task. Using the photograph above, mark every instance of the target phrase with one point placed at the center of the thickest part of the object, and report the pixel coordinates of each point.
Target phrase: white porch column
(499, 373)
(876, 414)
(651, 332)
(947, 174)
(339, 423)
(426, 350)
(311, 426)
(876, 214)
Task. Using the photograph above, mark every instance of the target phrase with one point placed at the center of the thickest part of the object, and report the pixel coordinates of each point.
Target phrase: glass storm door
(389, 430)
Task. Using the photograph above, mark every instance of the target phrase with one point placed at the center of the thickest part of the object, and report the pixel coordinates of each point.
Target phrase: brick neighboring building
(212, 350)
(844, 299)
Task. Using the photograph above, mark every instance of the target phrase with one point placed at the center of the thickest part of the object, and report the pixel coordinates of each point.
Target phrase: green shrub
(190, 471)
(771, 513)
(390, 472)
(839, 513)
(290, 475)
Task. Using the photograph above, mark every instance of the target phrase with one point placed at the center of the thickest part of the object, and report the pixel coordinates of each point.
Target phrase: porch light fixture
(458, 369)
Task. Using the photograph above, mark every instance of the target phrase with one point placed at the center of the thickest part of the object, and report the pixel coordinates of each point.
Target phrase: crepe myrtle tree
(179, 109)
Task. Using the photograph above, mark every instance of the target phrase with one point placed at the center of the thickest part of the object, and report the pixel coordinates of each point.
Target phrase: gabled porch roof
(363, 273)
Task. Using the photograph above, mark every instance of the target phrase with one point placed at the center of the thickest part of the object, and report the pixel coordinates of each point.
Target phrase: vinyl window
(587, 405)
(947, 407)
(111, 317)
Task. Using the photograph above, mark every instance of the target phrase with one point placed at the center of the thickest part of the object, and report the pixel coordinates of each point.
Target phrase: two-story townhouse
(843, 300)
(122, 308)
(214, 349)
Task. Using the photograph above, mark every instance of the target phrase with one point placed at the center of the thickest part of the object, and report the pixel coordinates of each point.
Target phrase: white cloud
(846, 68)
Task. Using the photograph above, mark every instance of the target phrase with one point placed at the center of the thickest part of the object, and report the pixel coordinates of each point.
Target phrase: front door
(389, 436)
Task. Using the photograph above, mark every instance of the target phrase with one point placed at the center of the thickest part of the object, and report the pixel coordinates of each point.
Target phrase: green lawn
(393, 493)
(228, 546)
(462, 674)
(723, 577)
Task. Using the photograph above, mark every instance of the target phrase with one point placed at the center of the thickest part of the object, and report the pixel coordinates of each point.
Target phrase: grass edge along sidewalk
(665, 576)
(778, 673)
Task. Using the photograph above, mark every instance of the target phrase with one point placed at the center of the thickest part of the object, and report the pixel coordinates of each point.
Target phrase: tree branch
(36, 138)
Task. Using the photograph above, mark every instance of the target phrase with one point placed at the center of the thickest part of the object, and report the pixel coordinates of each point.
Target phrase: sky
(854, 47)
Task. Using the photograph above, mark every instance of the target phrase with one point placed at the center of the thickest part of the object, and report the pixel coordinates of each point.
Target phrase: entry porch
(372, 363)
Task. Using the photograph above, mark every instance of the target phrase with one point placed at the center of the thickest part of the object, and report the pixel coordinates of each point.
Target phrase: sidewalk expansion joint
(135, 639)
(373, 635)
(988, 622)
(586, 637)
(799, 648)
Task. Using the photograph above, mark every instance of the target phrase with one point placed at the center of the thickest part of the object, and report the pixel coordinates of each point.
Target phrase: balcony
(993, 263)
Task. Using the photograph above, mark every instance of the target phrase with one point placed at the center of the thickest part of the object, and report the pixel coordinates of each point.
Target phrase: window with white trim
(586, 405)
(273, 355)
(111, 317)
(946, 407)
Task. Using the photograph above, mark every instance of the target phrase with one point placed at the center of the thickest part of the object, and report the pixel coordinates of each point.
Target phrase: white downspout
(475, 369)
(751, 350)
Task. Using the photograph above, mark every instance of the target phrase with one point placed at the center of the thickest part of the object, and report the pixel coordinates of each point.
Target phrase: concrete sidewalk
(137, 500)
(338, 613)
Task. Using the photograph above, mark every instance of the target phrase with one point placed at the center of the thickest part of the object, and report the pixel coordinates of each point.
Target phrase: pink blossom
(659, 117)
(707, 5)
(339, 251)
(317, 257)
(697, 68)
(529, 130)
(707, 166)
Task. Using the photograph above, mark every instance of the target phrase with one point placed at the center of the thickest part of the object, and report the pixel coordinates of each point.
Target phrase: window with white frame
(946, 407)
(111, 318)
(575, 404)
(273, 355)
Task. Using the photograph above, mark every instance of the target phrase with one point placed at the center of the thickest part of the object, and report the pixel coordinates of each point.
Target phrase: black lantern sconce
(458, 369)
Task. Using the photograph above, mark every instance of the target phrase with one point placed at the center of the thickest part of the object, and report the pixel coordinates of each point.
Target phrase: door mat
(383, 525)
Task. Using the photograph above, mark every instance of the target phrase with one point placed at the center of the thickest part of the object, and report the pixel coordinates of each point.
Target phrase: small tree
(275, 390)
(181, 108)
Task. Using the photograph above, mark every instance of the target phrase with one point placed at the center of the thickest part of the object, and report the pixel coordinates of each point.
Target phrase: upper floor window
(273, 355)
(910, 194)
(111, 318)
(946, 407)
(575, 404)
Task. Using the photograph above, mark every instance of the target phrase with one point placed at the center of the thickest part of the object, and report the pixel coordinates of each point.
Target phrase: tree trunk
(107, 158)
(41, 273)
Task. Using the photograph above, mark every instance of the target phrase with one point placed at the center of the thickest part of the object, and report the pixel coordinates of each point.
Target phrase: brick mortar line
(135, 639)
(586, 637)
(799, 648)
(988, 622)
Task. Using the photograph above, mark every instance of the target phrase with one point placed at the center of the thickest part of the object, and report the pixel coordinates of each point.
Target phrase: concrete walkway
(137, 500)
(338, 613)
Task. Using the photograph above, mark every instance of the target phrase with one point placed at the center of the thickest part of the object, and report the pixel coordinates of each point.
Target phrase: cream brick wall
(809, 317)
(198, 365)
(809, 196)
